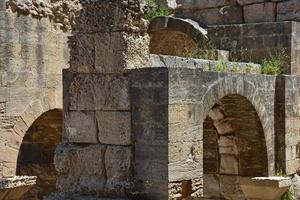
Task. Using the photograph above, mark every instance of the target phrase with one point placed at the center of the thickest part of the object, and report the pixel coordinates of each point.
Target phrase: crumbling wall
(96, 154)
(61, 12)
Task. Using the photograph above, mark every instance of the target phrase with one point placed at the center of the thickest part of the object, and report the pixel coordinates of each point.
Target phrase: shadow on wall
(37, 152)
(234, 146)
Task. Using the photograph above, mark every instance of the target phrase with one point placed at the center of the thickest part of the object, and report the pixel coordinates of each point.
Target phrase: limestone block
(217, 16)
(80, 127)
(288, 10)
(119, 50)
(81, 168)
(245, 2)
(230, 187)
(201, 4)
(100, 16)
(114, 127)
(93, 168)
(211, 184)
(227, 145)
(263, 12)
(82, 52)
(118, 166)
(216, 114)
(229, 164)
(223, 127)
(296, 186)
(97, 92)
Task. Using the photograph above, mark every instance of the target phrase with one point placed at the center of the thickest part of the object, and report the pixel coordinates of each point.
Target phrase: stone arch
(238, 85)
(231, 107)
(36, 153)
(176, 36)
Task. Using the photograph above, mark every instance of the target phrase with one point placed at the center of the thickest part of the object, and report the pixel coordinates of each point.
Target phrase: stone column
(95, 157)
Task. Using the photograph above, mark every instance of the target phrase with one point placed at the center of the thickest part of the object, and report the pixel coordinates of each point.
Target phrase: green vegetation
(156, 10)
(274, 64)
(221, 66)
(289, 194)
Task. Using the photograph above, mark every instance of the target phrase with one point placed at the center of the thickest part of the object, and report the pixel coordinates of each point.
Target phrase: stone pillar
(95, 157)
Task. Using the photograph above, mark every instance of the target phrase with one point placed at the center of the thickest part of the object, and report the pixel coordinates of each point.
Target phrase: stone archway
(37, 151)
(176, 36)
(234, 145)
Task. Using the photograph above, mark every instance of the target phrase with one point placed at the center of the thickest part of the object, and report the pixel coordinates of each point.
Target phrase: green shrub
(156, 10)
(236, 68)
(274, 64)
(221, 66)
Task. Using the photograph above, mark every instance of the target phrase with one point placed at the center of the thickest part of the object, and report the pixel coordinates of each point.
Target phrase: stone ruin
(98, 103)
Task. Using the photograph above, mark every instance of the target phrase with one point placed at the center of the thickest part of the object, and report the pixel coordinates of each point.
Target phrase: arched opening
(233, 146)
(37, 151)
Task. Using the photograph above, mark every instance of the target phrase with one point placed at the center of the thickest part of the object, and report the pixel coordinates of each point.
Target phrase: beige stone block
(211, 186)
(80, 127)
(229, 164)
(223, 127)
(99, 92)
(114, 127)
(227, 145)
(82, 168)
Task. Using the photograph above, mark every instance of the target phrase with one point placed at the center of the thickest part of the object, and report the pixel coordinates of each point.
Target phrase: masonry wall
(96, 155)
(256, 42)
(216, 12)
(32, 55)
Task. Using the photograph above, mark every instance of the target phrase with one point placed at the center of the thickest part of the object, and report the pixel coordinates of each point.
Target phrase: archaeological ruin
(149, 99)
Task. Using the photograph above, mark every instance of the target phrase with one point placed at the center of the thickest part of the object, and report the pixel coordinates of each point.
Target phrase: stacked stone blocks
(97, 150)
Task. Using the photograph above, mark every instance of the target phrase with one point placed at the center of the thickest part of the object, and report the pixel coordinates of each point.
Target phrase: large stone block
(101, 16)
(217, 16)
(288, 10)
(263, 12)
(114, 127)
(245, 2)
(96, 92)
(80, 127)
(201, 4)
(100, 169)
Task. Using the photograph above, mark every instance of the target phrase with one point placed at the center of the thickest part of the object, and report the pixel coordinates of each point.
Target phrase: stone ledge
(68, 196)
(15, 187)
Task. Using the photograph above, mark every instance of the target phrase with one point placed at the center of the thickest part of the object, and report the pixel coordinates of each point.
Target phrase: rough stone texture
(213, 12)
(54, 10)
(32, 56)
(14, 188)
(37, 152)
(264, 12)
(170, 105)
(81, 172)
(108, 39)
(255, 42)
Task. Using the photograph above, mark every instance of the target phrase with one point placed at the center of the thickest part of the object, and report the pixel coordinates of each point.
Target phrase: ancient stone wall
(213, 12)
(174, 97)
(32, 55)
(96, 154)
(256, 42)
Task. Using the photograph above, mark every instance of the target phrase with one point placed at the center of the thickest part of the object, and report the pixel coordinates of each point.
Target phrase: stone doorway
(37, 151)
(234, 146)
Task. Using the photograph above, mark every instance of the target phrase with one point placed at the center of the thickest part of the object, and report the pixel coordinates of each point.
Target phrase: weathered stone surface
(287, 10)
(98, 92)
(114, 127)
(263, 12)
(81, 172)
(216, 16)
(201, 4)
(80, 127)
(245, 2)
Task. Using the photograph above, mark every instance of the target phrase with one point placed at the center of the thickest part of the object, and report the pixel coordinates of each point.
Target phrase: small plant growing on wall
(274, 65)
(289, 194)
(155, 10)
